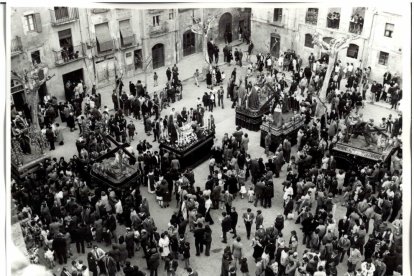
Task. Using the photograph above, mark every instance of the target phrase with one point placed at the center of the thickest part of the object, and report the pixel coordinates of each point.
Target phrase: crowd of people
(60, 205)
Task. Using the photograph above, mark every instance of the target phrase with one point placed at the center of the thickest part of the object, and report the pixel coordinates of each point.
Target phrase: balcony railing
(158, 30)
(125, 43)
(69, 54)
(154, 11)
(311, 17)
(355, 28)
(16, 46)
(96, 11)
(63, 15)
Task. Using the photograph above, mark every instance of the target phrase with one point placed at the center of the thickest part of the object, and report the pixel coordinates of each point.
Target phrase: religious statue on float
(277, 115)
(253, 102)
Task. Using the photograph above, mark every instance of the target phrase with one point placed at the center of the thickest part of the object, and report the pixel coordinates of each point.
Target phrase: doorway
(274, 45)
(17, 92)
(225, 27)
(188, 43)
(138, 59)
(74, 77)
(158, 59)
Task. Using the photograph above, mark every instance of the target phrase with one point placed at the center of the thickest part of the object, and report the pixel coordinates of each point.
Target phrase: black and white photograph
(208, 139)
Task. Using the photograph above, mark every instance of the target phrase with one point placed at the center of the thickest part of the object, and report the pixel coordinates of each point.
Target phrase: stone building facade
(95, 45)
(377, 44)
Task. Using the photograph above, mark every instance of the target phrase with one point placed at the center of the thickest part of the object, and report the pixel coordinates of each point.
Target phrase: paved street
(225, 122)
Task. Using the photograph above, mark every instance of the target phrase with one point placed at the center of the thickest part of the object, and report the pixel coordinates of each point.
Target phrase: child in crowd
(49, 256)
(244, 268)
(250, 194)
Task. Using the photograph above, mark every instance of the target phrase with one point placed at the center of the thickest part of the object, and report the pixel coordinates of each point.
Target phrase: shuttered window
(127, 36)
(103, 37)
(33, 23)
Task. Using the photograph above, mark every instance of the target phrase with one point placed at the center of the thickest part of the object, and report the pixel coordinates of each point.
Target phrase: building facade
(95, 45)
(376, 34)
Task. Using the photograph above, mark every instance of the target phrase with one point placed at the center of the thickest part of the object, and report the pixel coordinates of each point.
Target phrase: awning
(126, 32)
(104, 38)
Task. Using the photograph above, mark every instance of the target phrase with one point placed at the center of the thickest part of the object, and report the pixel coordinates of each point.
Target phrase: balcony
(155, 31)
(69, 54)
(312, 17)
(127, 42)
(97, 11)
(355, 27)
(154, 11)
(63, 15)
(16, 46)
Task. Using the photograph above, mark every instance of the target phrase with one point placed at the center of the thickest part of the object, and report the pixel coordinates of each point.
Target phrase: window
(127, 35)
(312, 16)
(29, 19)
(277, 15)
(103, 38)
(156, 20)
(61, 12)
(171, 14)
(32, 23)
(35, 57)
(383, 58)
(389, 29)
(333, 18)
(352, 51)
(308, 41)
(65, 38)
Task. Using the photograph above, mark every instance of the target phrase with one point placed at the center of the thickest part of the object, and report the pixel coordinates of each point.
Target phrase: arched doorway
(158, 56)
(225, 27)
(274, 44)
(188, 43)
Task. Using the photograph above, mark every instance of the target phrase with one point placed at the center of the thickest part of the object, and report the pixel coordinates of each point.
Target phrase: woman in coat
(288, 209)
(70, 121)
(209, 79)
(123, 252)
(92, 264)
(110, 264)
(237, 250)
(164, 244)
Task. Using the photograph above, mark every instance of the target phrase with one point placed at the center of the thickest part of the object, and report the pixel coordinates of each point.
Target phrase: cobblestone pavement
(225, 122)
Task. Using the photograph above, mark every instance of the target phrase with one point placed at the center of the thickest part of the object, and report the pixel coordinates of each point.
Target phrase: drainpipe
(175, 35)
(369, 40)
(92, 54)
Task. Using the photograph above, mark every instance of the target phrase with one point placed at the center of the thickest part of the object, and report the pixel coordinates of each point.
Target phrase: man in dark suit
(387, 78)
(210, 50)
(234, 218)
(225, 226)
(199, 238)
(156, 130)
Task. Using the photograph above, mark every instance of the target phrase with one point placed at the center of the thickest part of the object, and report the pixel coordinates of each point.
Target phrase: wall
(393, 45)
